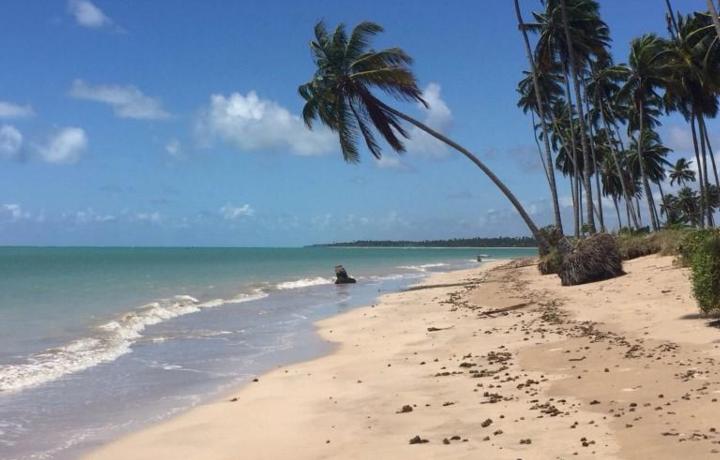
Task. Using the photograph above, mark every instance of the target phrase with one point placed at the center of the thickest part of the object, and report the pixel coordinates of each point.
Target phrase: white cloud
(230, 212)
(253, 124)
(10, 141)
(64, 147)
(150, 217)
(87, 14)
(173, 147)
(13, 212)
(89, 216)
(126, 101)
(438, 117)
(10, 110)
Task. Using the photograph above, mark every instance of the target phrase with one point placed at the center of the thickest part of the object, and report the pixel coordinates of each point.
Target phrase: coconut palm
(340, 95)
(540, 108)
(692, 86)
(645, 72)
(571, 32)
(681, 172)
(602, 88)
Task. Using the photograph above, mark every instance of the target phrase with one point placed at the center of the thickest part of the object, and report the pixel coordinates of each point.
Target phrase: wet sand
(496, 362)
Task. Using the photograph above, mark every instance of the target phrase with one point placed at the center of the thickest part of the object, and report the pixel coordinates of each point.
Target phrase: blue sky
(175, 123)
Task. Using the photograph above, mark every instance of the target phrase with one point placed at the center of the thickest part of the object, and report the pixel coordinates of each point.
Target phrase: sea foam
(304, 282)
(112, 340)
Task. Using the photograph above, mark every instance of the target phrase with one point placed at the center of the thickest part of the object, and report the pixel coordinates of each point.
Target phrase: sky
(176, 123)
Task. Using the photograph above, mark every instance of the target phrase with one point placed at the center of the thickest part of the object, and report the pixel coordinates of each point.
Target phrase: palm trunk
(573, 146)
(714, 14)
(596, 170)
(641, 161)
(613, 153)
(542, 241)
(637, 209)
(663, 204)
(703, 128)
(627, 211)
(703, 153)
(581, 115)
(701, 181)
(549, 169)
(617, 211)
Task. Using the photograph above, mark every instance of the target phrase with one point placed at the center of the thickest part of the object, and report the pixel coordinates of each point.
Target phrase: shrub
(594, 258)
(665, 242)
(705, 269)
(633, 245)
(690, 243)
(551, 262)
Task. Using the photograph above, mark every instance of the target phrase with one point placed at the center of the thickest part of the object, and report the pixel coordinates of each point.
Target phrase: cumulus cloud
(230, 212)
(66, 146)
(11, 141)
(437, 116)
(251, 123)
(87, 14)
(126, 101)
(10, 110)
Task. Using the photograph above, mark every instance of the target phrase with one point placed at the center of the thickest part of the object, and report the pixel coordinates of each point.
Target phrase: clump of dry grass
(594, 258)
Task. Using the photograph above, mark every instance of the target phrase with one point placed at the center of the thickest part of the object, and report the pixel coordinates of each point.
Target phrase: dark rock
(341, 276)
(418, 440)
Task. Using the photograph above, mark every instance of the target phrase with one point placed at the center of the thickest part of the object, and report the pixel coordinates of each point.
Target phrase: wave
(113, 339)
(304, 282)
(423, 267)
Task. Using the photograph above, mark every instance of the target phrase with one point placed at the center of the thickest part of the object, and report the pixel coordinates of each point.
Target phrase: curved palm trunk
(542, 241)
(641, 161)
(583, 137)
(701, 180)
(549, 169)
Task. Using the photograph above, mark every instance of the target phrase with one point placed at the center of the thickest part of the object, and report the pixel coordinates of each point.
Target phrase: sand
(495, 362)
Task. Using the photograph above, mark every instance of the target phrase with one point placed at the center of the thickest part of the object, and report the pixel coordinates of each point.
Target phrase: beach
(497, 362)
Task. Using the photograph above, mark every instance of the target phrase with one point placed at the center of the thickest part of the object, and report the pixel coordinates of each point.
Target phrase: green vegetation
(594, 120)
(500, 241)
(705, 267)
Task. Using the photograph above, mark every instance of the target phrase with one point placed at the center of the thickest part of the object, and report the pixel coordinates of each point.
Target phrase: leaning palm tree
(340, 95)
(681, 172)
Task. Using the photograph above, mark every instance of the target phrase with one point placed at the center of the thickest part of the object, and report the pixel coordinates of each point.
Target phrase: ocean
(97, 342)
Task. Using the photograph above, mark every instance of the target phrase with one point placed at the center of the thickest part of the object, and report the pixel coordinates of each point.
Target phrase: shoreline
(496, 362)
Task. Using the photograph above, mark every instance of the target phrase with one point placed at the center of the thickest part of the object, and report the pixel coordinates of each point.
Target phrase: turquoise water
(108, 339)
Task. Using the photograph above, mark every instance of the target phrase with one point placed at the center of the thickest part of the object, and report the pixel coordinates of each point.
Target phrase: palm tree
(570, 32)
(681, 172)
(602, 89)
(340, 96)
(540, 107)
(653, 160)
(692, 86)
(644, 73)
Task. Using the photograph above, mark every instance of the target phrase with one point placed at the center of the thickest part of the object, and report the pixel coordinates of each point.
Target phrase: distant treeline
(500, 241)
